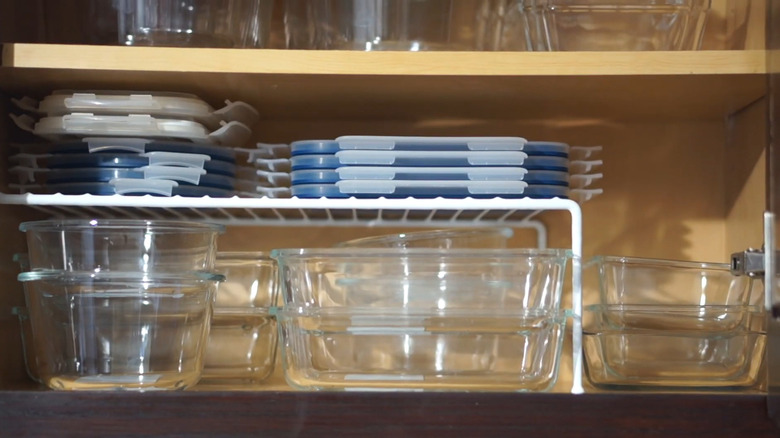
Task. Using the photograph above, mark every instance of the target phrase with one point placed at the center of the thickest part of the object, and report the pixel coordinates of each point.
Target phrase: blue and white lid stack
(265, 171)
(430, 167)
(129, 143)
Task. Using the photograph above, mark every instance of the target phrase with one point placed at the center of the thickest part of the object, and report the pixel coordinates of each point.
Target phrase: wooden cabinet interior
(683, 133)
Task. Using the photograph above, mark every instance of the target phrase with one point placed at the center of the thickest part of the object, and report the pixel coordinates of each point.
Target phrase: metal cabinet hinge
(750, 262)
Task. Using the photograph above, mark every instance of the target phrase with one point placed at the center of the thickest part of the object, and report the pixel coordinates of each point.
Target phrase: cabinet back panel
(665, 193)
(663, 182)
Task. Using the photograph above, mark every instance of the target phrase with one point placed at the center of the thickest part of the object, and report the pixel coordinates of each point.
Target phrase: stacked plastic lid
(449, 167)
(265, 171)
(130, 143)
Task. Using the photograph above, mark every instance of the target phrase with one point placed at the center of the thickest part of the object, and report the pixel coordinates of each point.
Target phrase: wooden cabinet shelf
(286, 84)
(333, 62)
(234, 414)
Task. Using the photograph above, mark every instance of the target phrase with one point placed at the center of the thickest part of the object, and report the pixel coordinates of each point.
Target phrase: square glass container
(344, 349)
(673, 346)
(241, 347)
(422, 279)
(243, 338)
(597, 25)
(442, 239)
(653, 282)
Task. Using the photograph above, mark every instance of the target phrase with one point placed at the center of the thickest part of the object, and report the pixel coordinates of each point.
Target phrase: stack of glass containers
(242, 342)
(663, 323)
(119, 304)
(421, 318)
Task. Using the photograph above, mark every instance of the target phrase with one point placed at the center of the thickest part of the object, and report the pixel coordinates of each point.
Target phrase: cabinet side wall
(12, 372)
(745, 176)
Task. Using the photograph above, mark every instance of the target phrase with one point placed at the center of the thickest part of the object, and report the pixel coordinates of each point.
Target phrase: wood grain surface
(235, 414)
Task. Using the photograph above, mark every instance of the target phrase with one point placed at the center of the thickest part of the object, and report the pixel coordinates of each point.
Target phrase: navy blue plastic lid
(313, 147)
(105, 189)
(546, 191)
(546, 148)
(303, 162)
(106, 174)
(332, 191)
(216, 152)
(67, 161)
(317, 191)
(547, 177)
(222, 153)
(314, 176)
(435, 159)
(559, 164)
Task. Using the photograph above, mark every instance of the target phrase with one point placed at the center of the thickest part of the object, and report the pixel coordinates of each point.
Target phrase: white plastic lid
(25, 174)
(580, 167)
(136, 125)
(584, 195)
(432, 188)
(271, 150)
(432, 173)
(250, 189)
(584, 152)
(431, 143)
(197, 161)
(27, 160)
(273, 164)
(190, 175)
(431, 159)
(263, 151)
(581, 181)
(263, 177)
(158, 104)
(125, 186)
(185, 174)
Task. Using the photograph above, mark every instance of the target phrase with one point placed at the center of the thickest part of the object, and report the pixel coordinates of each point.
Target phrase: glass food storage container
(182, 23)
(675, 324)
(119, 331)
(685, 347)
(596, 25)
(126, 245)
(653, 282)
(442, 239)
(243, 338)
(430, 319)
(28, 344)
(369, 25)
(340, 348)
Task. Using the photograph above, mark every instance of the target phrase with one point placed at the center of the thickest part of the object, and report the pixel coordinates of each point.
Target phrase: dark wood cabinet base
(366, 414)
